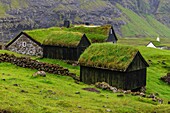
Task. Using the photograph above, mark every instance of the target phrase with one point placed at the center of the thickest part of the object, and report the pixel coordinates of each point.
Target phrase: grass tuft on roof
(109, 56)
(56, 36)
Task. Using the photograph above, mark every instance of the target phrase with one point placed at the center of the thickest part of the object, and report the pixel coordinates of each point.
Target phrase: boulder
(39, 73)
(103, 85)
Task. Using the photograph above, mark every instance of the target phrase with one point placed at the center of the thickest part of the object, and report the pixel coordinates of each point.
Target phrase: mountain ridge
(19, 15)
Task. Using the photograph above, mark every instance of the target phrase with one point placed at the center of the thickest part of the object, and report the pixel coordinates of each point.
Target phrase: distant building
(158, 39)
(150, 44)
(112, 36)
(97, 33)
(120, 66)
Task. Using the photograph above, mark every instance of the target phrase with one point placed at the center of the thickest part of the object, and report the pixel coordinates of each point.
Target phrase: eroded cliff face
(29, 14)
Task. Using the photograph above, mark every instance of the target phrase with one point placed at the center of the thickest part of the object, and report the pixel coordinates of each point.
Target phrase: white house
(150, 44)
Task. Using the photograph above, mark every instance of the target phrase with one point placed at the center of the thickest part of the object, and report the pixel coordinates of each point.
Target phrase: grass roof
(95, 34)
(69, 36)
(109, 56)
(55, 36)
(156, 43)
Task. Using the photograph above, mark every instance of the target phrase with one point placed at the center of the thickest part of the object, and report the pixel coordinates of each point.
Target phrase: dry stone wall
(24, 45)
(34, 64)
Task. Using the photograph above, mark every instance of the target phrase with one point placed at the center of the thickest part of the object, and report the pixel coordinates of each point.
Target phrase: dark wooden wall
(83, 44)
(136, 79)
(124, 80)
(137, 63)
(64, 53)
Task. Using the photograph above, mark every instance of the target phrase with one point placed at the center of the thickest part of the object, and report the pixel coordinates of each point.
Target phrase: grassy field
(143, 41)
(20, 92)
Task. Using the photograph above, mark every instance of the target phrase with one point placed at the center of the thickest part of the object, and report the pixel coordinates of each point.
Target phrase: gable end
(18, 36)
(137, 63)
(112, 36)
(84, 42)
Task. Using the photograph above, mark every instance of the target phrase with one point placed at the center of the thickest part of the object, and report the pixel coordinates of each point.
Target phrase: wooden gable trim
(23, 33)
(142, 59)
(84, 37)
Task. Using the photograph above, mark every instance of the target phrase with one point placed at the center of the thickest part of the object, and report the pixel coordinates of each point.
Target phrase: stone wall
(24, 45)
(26, 62)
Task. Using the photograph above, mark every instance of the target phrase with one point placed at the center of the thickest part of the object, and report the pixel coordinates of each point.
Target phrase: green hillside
(20, 92)
(142, 26)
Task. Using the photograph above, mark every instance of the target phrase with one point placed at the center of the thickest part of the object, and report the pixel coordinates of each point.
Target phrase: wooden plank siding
(136, 79)
(64, 53)
(137, 63)
(123, 80)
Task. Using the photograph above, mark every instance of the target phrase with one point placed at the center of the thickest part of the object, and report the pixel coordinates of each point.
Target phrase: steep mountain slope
(130, 18)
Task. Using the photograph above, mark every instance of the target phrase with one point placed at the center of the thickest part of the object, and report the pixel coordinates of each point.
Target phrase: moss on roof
(109, 56)
(55, 36)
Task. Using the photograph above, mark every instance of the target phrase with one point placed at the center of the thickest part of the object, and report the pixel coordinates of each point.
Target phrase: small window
(24, 44)
(111, 32)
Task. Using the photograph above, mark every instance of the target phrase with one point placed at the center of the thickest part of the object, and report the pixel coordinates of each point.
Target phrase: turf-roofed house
(112, 36)
(50, 43)
(120, 66)
(97, 33)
